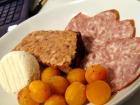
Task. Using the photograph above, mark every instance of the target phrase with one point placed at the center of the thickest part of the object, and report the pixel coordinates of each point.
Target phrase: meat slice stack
(101, 28)
(112, 43)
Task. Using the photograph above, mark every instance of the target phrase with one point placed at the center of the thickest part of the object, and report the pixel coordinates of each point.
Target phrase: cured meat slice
(102, 27)
(99, 23)
(79, 21)
(121, 57)
(114, 30)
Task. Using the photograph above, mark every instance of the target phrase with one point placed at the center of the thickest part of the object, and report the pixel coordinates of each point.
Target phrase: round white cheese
(17, 69)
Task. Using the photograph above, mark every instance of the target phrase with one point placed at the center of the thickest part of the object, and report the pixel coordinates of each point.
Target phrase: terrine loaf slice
(54, 48)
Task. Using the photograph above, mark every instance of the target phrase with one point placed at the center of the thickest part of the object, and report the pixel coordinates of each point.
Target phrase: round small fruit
(58, 84)
(48, 73)
(96, 72)
(76, 94)
(76, 75)
(56, 100)
(98, 92)
(24, 97)
(39, 91)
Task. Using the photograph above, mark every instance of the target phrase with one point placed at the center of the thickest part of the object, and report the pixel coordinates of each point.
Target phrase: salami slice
(114, 30)
(121, 57)
(79, 21)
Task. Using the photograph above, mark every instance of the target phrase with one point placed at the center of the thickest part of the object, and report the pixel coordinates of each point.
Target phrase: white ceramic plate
(57, 19)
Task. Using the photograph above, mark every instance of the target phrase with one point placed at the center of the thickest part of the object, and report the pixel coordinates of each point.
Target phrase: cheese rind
(17, 69)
